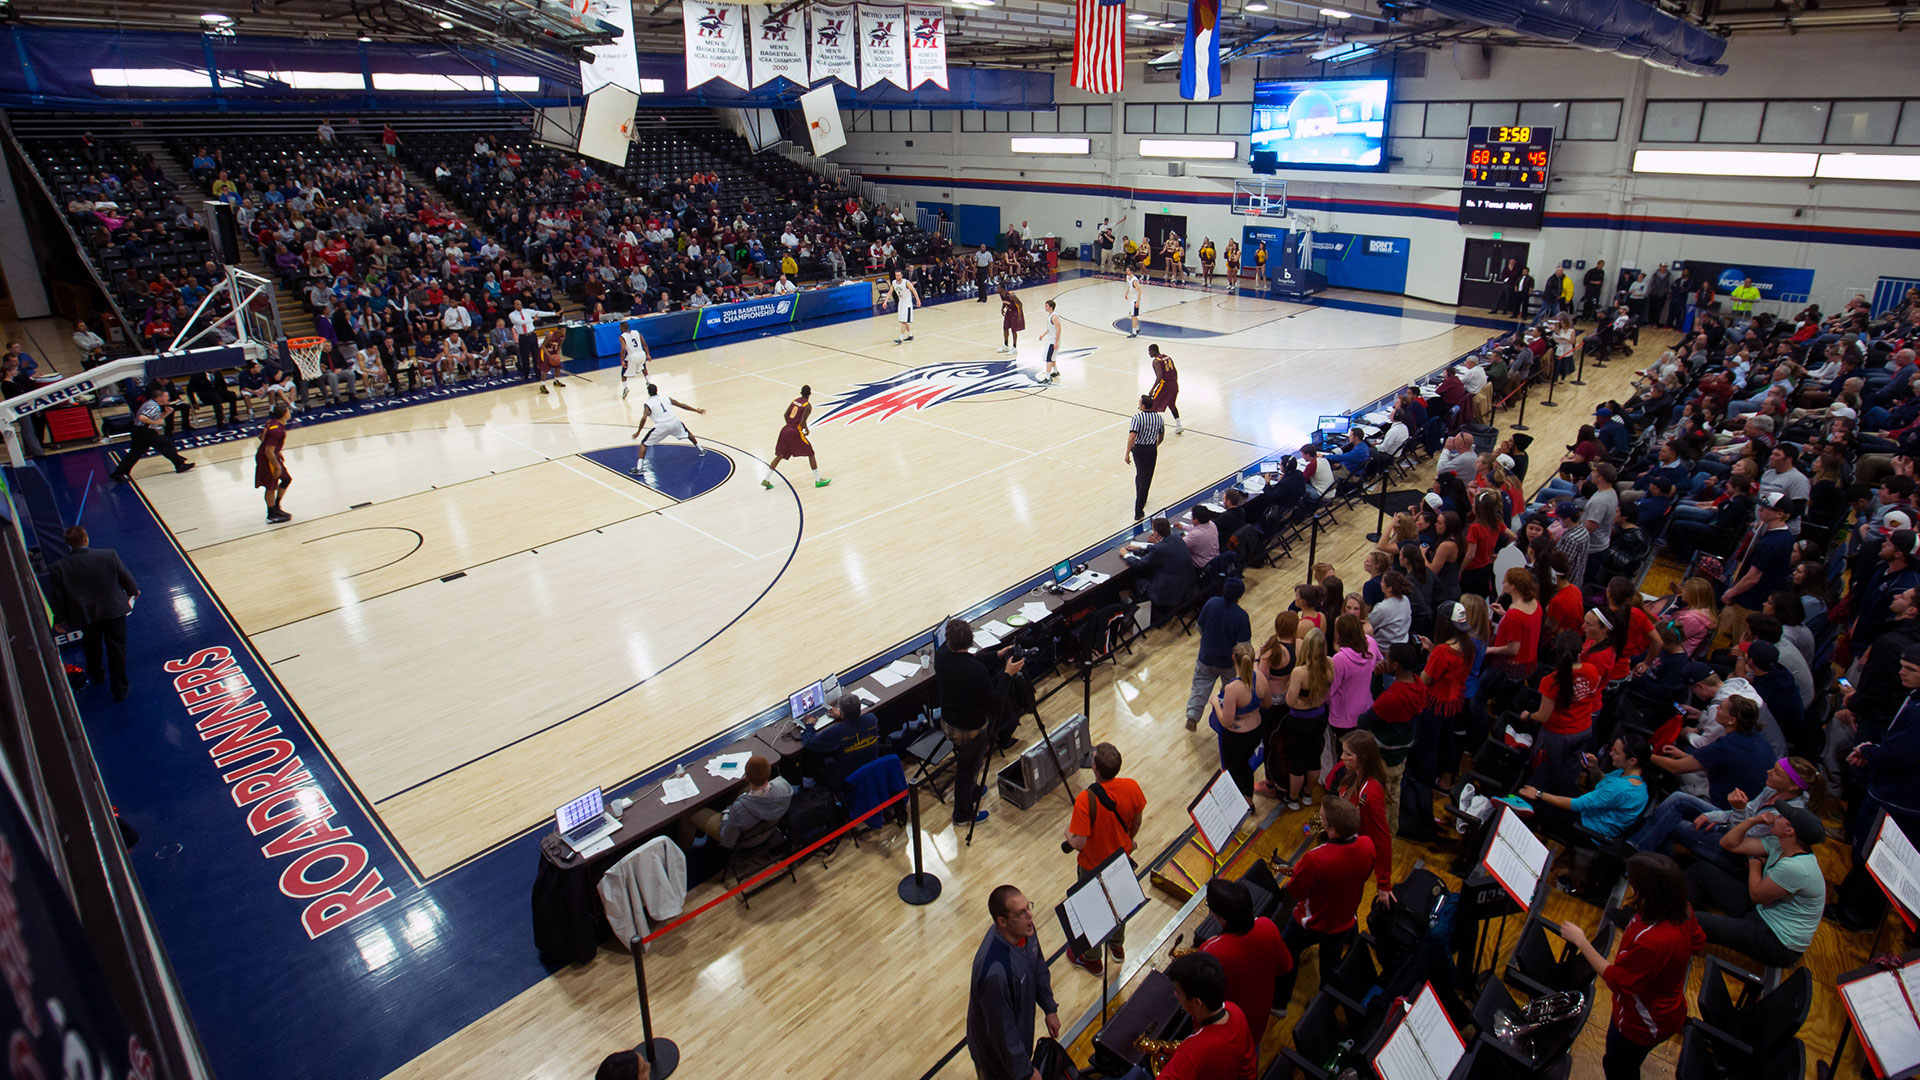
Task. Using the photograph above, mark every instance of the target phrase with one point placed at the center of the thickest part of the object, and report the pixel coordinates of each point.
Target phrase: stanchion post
(1380, 519)
(1553, 380)
(1313, 546)
(1526, 391)
(919, 887)
(1580, 377)
(662, 1055)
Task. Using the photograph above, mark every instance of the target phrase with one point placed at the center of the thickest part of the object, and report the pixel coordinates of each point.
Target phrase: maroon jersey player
(793, 441)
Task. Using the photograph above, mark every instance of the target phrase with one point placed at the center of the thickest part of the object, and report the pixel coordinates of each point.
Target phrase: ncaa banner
(615, 63)
(883, 46)
(832, 39)
(747, 315)
(927, 45)
(779, 44)
(715, 45)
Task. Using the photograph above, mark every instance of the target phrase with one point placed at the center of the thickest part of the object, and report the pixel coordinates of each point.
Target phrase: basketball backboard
(1260, 197)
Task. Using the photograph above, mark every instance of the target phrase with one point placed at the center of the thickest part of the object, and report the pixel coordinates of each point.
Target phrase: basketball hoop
(1255, 211)
(306, 353)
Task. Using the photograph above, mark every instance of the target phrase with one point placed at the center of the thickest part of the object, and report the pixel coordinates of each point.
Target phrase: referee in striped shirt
(1143, 450)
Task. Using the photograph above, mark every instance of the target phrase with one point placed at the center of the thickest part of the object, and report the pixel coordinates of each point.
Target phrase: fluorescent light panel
(1221, 149)
(1052, 146)
(1869, 167)
(316, 80)
(1724, 163)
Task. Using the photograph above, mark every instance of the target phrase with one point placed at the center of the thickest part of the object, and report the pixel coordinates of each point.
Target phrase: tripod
(986, 768)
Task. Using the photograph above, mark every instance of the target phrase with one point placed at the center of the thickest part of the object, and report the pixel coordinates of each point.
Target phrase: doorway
(1159, 227)
(1480, 284)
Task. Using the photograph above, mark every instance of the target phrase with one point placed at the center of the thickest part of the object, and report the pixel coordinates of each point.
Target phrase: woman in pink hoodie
(1354, 658)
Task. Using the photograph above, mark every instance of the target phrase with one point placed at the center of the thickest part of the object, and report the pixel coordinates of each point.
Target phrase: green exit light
(1166, 209)
(1498, 235)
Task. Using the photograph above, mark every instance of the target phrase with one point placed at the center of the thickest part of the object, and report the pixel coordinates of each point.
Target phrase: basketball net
(306, 353)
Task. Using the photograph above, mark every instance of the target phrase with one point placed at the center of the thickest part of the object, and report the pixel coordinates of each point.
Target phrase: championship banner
(613, 64)
(831, 34)
(779, 44)
(883, 46)
(927, 45)
(715, 45)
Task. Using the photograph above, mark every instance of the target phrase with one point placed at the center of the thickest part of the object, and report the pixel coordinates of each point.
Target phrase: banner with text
(716, 46)
(779, 45)
(883, 47)
(927, 45)
(831, 35)
(1789, 285)
(615, 63)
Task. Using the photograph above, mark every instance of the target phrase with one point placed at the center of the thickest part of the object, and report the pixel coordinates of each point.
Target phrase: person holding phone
(1610, 808)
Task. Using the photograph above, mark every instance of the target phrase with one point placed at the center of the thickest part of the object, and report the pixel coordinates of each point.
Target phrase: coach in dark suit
(90, 589)
(1170, 570)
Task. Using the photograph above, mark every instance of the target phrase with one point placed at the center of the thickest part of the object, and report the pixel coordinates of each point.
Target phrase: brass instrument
(1542, 1012)
(1177, 952)
(1157, 1051)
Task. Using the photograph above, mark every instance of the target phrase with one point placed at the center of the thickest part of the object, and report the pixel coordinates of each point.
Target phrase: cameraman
(975, 702)
(1106, 817)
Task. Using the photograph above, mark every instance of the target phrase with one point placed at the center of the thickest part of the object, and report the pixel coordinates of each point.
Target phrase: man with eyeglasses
(1009, 979)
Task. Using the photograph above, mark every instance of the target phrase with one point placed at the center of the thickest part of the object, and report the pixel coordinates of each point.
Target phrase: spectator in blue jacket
(1223, 624)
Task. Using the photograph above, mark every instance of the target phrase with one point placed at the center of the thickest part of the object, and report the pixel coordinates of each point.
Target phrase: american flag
(1099, 45)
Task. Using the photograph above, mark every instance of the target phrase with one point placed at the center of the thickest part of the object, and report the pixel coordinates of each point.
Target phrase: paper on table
(866, 695)
(1122, 887)
(995, 627)
(728, 765)
(906, 669)
(886, 677)
(679, 789)
(1035, 611)
(1088, 905)
(1896, 865)
(1885, 1020)
(985, 638)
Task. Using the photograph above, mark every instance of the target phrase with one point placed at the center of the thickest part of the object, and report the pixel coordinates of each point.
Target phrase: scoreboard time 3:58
(1508, 157)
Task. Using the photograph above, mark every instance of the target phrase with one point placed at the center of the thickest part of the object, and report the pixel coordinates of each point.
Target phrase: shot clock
(1514, 158)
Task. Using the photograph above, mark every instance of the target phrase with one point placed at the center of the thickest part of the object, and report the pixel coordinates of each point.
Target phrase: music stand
(1098, 908)
(1880, 1005)
(1508, 879)
(1422, 1043)
(1894, 865)
(1217, 813)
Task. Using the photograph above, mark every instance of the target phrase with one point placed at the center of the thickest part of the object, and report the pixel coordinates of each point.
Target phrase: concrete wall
(1850, 234)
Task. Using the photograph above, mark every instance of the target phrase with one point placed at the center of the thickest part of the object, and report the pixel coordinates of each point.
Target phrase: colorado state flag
(1200, 61)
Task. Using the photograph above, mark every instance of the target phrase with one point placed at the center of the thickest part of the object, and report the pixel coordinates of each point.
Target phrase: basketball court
(491, 567)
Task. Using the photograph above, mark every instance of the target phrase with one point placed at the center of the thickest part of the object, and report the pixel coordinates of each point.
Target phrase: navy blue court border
(268, 999)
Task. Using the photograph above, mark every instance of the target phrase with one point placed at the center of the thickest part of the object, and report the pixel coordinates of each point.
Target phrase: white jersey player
(633, 359)
(666, 424)
(905, 297)
(1051, 336)
(1133, 300)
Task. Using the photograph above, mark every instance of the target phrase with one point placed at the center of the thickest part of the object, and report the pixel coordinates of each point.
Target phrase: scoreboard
(1508, 157)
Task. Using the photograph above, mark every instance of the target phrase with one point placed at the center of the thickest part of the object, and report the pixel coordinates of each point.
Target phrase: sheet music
(1424, 1047)
(1517, 858)
(1123, 889)
(1219, 812)
(1088, 906)
(1910, 981)
(1885, 1020)
(1896, 865)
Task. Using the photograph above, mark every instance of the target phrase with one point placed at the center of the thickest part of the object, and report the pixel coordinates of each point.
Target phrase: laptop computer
(807, 702)
(585, 822)
(1335, 425)
(1062, 571)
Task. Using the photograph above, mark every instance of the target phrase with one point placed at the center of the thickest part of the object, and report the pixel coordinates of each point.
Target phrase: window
(1236, 118)
(194, 78)
(1671, 121)
(1447, 119)
(647, 86)
(1072, 118)
(996, 121)
(1551, 114)
(1909, 133)
(943, 120)
(1407, 121)
(1493, 114)
(1203, 119)
(327, 80)
(412, 80)
(972, 120)
(1046, 122)
(1731, 121)
(1169, 119)
(1794, 122)
(1139, 119)
(1020, 121)
(1863, 123)
(1597, 121)
(1100, 119)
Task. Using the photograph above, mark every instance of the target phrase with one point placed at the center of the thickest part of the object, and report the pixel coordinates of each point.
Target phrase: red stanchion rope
(776, 868)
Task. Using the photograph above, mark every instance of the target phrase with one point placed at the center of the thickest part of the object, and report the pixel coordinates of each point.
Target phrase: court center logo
(925, 387)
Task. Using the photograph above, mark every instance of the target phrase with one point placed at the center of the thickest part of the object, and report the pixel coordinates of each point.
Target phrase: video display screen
(1320, 124)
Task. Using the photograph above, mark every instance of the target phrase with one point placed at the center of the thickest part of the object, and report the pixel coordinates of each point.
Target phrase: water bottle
(680, 769)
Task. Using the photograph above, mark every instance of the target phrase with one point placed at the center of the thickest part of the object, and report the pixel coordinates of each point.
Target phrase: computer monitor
(1335, 425)
(586, 808)
(1063, 571)
(808, 701)
(1269, 468)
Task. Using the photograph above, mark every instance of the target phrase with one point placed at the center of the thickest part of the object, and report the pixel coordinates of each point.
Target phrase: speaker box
(1176, 168)
(223, 230)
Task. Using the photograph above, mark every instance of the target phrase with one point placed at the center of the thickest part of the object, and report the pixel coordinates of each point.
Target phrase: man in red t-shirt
(1106, 817)
(1249, 950)
(1326, 884)
(1221, 1046)
(1391, 721)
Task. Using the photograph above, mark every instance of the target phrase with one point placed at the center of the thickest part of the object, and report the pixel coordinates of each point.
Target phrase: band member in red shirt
(1648, 976)
(1326, 884)
(1221, 1046)
(793, 441)
(1249, 950)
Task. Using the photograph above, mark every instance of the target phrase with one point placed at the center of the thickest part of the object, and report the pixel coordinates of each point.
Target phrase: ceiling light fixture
(1332, 14)
(215, 18)
(365, 37)
(445, 25)
(1138, 16)
(1256, 6)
